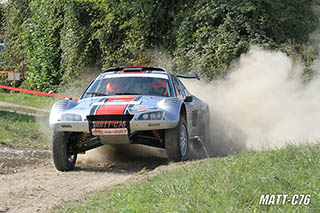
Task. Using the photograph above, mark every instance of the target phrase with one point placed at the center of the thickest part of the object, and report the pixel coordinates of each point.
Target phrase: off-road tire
(62, 158)
(172, 139)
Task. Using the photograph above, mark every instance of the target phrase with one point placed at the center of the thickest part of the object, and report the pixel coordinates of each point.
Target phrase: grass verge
(231, 184)
(24, 131)
(20, 110)
(28, 100)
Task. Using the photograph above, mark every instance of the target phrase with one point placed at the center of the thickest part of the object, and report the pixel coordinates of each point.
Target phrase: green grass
(24, 131)
(231, 184)
(28, 100)
(20, 109)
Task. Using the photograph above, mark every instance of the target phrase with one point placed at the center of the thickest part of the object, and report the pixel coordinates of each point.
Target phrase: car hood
(116, 105)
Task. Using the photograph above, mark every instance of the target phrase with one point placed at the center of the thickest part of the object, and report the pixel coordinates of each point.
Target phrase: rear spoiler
(195, 75)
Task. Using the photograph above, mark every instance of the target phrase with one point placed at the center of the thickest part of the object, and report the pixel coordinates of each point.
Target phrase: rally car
(130, 105)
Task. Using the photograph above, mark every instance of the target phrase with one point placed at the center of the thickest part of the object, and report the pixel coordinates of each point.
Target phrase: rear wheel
(61, 151)
(177, 141)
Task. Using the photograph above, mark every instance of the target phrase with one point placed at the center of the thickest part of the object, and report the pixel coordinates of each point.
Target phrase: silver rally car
(129, 105)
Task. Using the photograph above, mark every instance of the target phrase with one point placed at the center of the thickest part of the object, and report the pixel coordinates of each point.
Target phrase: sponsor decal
(154, 124)
(282, 199)
(193, 107)
(171, 101)
(109, 124)
(110, 132)
(66, 126)
(141, 108)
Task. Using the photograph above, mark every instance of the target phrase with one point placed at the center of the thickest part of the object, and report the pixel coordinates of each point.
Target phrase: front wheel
(177, 141)
(62, 157)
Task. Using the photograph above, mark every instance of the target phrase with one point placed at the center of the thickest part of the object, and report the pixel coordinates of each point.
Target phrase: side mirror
(188, 99)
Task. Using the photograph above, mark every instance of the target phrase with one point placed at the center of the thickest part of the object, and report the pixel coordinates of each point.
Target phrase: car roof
(135, 69)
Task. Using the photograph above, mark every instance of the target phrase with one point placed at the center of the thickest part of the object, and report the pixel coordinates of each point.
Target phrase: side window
(177, 87)
(185, 91)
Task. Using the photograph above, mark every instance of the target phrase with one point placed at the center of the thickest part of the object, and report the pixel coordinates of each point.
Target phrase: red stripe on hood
(121, 98)
(114, 109)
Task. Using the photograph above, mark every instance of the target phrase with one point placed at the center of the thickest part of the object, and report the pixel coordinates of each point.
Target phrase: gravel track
(30, 183)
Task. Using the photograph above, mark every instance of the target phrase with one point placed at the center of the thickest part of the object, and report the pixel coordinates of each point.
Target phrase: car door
(193, 110)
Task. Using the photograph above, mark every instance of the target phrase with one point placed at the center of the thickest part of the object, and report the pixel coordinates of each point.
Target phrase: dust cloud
(75, 87)
(261, 104)
(159, 58)
(115, 154)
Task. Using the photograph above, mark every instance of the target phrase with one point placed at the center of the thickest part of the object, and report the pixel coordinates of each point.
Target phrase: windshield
(107, 86)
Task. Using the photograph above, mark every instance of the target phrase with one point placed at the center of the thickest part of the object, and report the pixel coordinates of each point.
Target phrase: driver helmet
(159, 87)
(113, 86)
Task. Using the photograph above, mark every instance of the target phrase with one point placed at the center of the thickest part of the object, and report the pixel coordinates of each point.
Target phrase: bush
(16, 15)
(126, 30)
(213, 33)
(79, 48)
(59, 40)
(1, 21)
(43, 45)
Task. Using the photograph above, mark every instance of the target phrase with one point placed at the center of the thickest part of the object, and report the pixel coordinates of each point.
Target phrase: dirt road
(30, 183)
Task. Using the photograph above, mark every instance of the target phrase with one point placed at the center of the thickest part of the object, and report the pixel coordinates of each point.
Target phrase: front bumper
(70, 126)
(134, 125)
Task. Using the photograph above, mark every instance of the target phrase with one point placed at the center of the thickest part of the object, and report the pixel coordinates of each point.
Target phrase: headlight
(157, 115)
(71, 117)
(138, 108)
(145, 116)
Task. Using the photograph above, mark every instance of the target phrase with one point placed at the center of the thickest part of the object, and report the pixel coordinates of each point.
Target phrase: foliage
(16, 15)
(301, 53)
(43, 41)
(126, 30)
(213, 33)
(78, 49)
(58, 40)
(1, 20)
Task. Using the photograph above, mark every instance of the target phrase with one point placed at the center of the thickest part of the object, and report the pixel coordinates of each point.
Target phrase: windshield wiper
(126, 93)
(97, 93)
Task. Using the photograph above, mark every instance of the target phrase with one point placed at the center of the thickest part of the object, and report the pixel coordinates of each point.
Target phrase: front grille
(109, 121)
